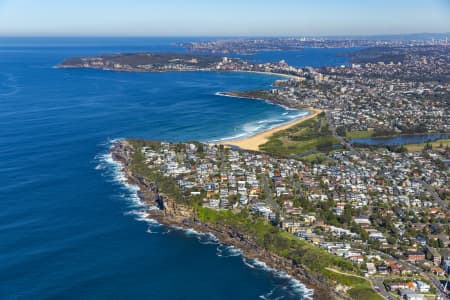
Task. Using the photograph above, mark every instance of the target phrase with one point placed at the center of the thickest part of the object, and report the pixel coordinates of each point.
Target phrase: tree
(347, 215)
(364, 235)
(340, 130)
(427, 146)
(277, 218)
(200, 148)
(391, 240)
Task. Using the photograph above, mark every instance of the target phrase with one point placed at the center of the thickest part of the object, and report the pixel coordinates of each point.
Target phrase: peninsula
(144, 62)
(173, 62)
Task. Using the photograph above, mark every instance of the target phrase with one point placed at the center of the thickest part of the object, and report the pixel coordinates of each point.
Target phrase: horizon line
(227, 36)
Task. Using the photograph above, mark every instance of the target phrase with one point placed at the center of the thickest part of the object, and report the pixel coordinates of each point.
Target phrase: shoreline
(247, 250)
(294, 77)
(290, 76)
(180, 216)
(253, 142)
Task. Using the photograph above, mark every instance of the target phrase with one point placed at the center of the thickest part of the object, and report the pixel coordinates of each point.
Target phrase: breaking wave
(286, 284)
(112, 170)
(251, 128)
(227, 251)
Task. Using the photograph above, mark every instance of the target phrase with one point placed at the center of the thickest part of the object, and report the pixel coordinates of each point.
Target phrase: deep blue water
(400, 140)
(309, 57)
(68, 228)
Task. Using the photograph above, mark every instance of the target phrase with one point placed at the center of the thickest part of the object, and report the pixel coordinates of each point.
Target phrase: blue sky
(221, 18)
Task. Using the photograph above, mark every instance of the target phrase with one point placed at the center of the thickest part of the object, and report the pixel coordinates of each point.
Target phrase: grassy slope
(359, 134)
(285, 244)
(360, 287)
(276, 240)
(435, 144)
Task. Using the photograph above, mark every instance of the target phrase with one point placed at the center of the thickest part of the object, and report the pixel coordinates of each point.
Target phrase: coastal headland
(177, 62)
(175, 211)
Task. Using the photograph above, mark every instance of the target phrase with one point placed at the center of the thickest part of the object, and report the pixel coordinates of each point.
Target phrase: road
(269, 193)
(433, 279)
(378, 282)
(435, 195)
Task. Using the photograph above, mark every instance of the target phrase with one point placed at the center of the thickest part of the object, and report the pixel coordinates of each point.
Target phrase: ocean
(69, 226)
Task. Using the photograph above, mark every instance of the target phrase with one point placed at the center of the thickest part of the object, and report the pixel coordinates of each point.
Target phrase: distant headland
(173, 62)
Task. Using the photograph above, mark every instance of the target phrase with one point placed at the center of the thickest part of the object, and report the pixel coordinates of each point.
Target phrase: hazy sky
(221, 18)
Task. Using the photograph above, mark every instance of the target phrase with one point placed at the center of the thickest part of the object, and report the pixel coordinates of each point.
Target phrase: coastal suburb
(351, 199)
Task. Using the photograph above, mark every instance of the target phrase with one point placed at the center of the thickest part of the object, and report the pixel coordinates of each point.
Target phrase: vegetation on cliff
(262, 233)
(137, 61)
(282, 243)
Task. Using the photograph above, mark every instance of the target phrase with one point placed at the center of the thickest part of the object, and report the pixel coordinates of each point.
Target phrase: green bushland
(309, 135)
(276, 240)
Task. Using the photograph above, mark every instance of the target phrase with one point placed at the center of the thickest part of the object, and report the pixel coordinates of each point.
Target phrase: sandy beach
(253, 142)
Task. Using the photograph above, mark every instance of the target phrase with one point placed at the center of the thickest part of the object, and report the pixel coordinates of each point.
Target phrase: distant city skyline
(230, 18)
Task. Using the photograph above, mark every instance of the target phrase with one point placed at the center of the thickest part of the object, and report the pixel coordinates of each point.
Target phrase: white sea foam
(246, 262)
(232, 137)
(151, 231)
(225, 251)
(205, 238)
(267, 295)
(112, 170)
(167, 231)
(287, 108)
(251, 128)
(143, 216)
(222, 94)
(299, 115)
(288, 283)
